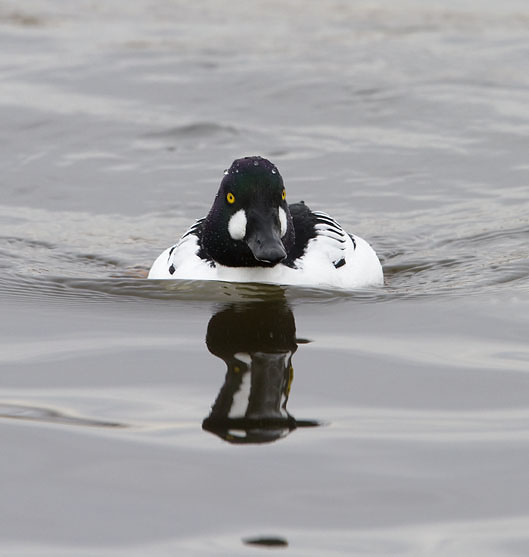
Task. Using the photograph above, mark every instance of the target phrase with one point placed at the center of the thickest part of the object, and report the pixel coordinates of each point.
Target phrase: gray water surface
(189, 418)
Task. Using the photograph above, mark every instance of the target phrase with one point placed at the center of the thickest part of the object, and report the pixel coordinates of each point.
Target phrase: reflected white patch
(237, 225)
(283, 221)
(243, 357)
(241, 398)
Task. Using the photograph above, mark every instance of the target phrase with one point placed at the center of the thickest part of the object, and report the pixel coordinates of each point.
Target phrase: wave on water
(200, 134)
(101, 257)
(140, 289)
(196, 129)
(50, 415)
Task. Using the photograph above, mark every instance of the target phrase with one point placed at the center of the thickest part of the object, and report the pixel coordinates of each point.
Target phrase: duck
(252, 234)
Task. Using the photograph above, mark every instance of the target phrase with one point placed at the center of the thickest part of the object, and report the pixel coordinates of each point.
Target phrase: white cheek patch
(237, 225)
(283, 221)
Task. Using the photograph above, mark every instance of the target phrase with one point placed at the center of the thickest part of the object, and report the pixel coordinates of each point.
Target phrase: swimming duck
(251, 234)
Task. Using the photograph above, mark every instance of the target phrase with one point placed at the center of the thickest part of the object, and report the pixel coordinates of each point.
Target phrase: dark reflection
(267, 542)
(257, 341)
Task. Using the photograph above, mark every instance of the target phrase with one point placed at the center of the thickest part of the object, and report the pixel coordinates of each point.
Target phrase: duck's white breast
(316, 268)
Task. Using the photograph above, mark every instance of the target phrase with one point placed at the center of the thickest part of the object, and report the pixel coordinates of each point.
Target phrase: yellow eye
(230, 198)
(284, 195)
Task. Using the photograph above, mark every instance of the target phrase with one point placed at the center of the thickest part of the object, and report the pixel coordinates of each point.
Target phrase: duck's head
(249, 224)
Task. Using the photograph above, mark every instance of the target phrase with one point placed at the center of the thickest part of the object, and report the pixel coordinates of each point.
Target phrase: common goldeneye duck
(251, 234)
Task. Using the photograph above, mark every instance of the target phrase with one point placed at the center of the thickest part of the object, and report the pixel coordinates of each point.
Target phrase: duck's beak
(263, 237)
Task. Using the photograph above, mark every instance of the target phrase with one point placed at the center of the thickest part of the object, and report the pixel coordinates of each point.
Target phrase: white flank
(237, 225)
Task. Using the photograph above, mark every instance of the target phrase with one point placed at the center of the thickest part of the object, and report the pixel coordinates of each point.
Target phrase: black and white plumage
(251, 234)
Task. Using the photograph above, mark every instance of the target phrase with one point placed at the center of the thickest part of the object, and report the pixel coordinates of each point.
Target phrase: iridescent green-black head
(249, 223)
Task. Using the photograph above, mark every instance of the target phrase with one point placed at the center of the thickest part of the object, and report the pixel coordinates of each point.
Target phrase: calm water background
(409, 122)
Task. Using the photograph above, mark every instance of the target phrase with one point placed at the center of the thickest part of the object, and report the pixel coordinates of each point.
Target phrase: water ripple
(50, 415)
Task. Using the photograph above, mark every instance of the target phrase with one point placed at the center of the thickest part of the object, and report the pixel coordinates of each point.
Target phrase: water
(392, 421)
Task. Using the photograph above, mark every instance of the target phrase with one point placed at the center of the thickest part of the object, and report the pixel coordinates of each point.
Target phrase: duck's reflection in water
(257, 341)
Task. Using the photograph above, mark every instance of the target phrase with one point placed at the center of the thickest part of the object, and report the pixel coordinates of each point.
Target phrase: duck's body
(252, 235)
